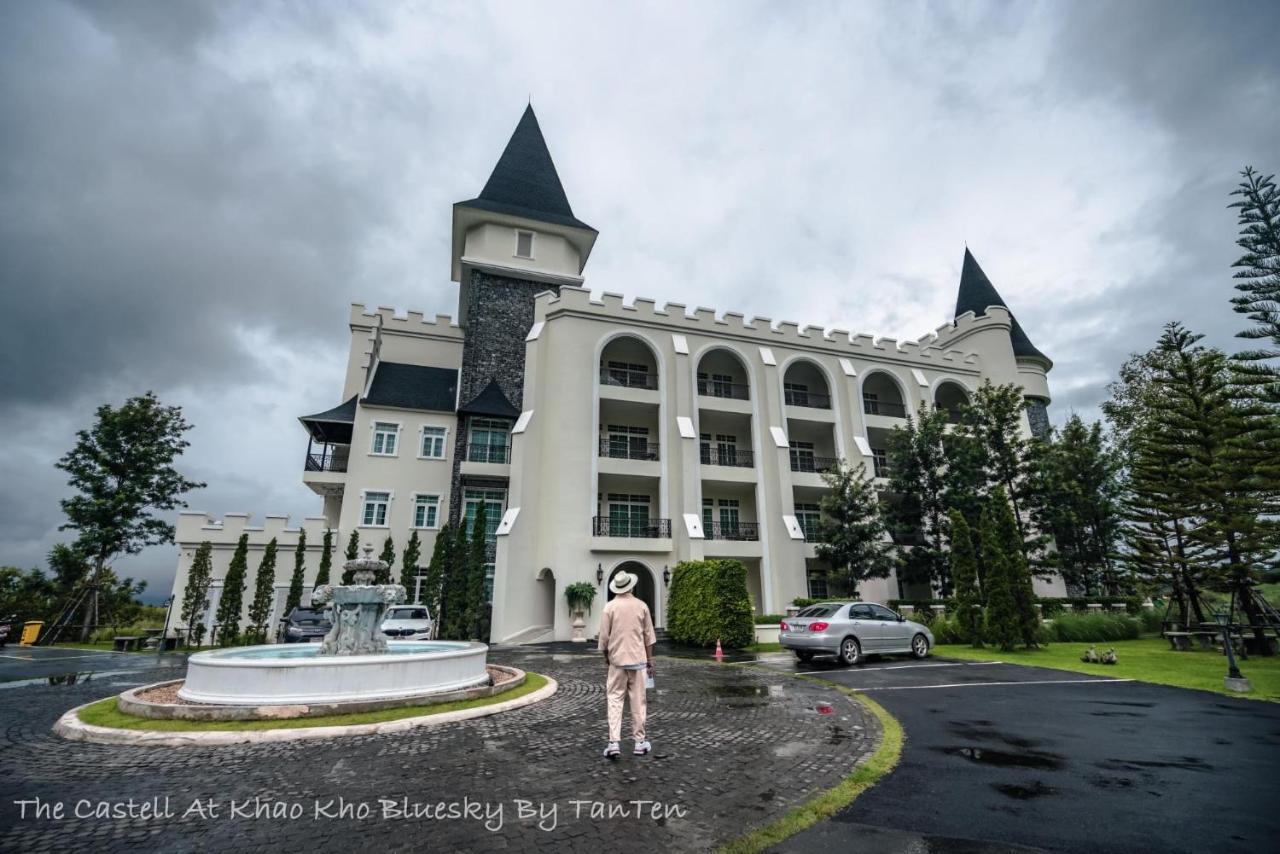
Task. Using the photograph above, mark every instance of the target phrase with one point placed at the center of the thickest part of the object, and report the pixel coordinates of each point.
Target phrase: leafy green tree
(264, 588)
(441, 555)
(231, 602)
(353, 552)
(964, 575)
(474, 596)
(122, 470)
(917, 511)
(988, 449)
(1001, 625)
(69, 569)
(294, 599)
(409, 563)
(1258, 269)
(1074, 496)
(326, 558)
(27, 594)
(195, 598)
(851, 536)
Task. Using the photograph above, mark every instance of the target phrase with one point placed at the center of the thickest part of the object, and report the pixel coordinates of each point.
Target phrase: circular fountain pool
(293, 674)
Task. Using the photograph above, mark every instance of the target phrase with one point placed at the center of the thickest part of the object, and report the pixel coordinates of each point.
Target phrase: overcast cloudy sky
(192, 193)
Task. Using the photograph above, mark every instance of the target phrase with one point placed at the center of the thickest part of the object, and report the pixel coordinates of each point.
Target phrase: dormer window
(524, 244)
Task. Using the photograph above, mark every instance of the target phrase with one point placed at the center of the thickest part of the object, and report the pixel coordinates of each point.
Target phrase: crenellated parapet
(195, 527)
(936, 349)
(410, 323)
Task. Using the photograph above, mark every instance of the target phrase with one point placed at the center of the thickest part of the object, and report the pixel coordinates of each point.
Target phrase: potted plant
(579, 595)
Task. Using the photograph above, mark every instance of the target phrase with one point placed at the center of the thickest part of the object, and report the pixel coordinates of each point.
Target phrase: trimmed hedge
(768, 619)
(708, 600)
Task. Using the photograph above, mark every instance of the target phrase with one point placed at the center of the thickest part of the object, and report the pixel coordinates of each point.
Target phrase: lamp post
(168, 608)
(1234, 680)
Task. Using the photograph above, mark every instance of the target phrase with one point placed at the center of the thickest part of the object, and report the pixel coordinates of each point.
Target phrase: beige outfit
(626, 633)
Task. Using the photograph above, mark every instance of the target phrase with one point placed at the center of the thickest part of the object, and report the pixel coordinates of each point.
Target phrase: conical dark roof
(491, 402)
(977, 292)
(525, 182)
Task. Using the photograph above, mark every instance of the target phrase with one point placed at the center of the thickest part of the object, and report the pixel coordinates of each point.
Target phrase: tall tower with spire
(977, 294)
(517, 239)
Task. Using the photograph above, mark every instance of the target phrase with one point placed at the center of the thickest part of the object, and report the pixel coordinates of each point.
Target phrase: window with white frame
(426, 511)
(810, 518)
(433, 443)
(524, 244)
(385, 434)
(376, 507)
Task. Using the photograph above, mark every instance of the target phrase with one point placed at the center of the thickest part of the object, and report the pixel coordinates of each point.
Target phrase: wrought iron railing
(740, 458)
(811, 399)
(326, 461)
(618, 449)
(628, 378)
(807, 463)
(881, 407)
(482, 453)
(740, 531)
(605, 526)
(719, 388)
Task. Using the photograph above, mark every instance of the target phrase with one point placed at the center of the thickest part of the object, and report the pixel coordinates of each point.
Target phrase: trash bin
(31, 631)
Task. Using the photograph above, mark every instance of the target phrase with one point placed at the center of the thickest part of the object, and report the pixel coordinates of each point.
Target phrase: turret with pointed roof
(977, 293)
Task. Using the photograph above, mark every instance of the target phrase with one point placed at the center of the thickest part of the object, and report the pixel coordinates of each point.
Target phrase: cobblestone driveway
(734, 748)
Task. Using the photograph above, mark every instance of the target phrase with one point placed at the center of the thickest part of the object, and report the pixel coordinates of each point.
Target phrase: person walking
(626, 639)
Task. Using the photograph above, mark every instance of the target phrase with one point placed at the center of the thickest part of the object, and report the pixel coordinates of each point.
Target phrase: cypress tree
(964, 575)
(1017, 571)
(474, 592)
(453, 605)
(1001, 626)
(294, 599)
(263, 589)
(232, 600)
(326, 558)
(431, 584)
(409, 563)
(195, 598)
(388, 556)
(353, 552)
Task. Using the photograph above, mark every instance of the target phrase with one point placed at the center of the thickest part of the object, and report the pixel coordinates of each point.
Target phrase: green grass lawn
(1146, 660)
(764, 647)
(107, 713)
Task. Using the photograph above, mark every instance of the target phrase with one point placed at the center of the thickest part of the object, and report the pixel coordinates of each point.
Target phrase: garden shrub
(1152, 620)
(708, 600)
(948, 630)
(768, 619)
(1072, 628)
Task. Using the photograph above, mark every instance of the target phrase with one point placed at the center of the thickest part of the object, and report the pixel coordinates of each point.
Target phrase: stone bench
(125, 643)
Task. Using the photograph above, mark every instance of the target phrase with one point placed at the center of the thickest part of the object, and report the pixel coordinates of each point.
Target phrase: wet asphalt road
(1058, 761)
(20, 666)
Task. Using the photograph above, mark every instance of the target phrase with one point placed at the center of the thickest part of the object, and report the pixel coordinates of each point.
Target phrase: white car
(408, 622)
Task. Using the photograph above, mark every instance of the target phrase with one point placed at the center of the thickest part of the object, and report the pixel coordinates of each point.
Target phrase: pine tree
(232, 600)
(1258, 269)
(916, 513)
(1017, 573)
(964, 575)
(294, 599)
(476, 553)
(851, 535)
(409, 563)
(326, 558)
(353, 552)
(195, 598)
(1001, 625)
(388, 557)
(432, 583)
(988, 449)
(264, 588)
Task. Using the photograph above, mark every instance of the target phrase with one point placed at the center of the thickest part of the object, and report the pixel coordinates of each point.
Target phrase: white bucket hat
(622, 581)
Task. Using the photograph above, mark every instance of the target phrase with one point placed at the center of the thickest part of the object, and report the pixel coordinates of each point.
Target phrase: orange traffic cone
(719, 651)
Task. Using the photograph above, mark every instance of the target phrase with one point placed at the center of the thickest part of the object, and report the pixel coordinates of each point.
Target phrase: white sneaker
(642, 747)
(611, 750)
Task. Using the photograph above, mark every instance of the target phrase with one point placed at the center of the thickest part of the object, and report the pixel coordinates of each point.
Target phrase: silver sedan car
(852, 630)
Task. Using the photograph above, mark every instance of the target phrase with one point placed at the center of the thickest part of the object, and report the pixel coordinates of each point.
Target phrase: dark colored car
(303, 625)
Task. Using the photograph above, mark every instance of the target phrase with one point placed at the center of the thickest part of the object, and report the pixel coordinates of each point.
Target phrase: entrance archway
(645, 589)
(546, 598)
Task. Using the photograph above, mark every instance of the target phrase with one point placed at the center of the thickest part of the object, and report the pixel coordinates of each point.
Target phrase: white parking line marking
(984, 684)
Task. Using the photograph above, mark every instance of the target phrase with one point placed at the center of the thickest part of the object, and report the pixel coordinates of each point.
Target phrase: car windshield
(825, 610)
(308, 618)
(408, 614)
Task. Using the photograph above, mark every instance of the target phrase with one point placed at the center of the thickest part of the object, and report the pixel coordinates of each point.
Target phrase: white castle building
(603, 434)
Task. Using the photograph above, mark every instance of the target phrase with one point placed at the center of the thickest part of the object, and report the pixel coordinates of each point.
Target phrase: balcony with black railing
(810, 463)
(615, 448)
(628, 378)
(881, 468)
(479, 452)
(332, 460)
(736, 531)
(738, 458)
(884, 407)
(724, 388)
(642, 528)
(811, 399)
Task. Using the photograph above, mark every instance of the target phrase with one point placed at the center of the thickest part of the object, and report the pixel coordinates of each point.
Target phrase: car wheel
(804, 656)
(850, 652)
(920, 646)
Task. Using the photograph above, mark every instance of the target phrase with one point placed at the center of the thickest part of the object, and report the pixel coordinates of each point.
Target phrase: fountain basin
(296, 674)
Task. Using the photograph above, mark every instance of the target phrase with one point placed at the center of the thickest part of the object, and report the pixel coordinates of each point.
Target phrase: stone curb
(69, 726)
